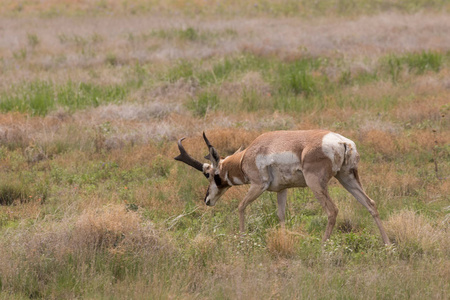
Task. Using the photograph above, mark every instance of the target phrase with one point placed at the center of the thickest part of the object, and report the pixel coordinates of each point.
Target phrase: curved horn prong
(186, 158)
(206, 140)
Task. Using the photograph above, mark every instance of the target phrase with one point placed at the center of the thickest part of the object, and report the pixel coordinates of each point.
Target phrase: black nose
(207, 202)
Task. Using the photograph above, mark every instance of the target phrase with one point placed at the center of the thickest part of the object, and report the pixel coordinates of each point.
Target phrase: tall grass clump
(231, 66)
(12, 191)
(416, 63)
(36, 97)
(297, 77)
(394, 67)
(182, 70)
(424, 61)
(299, 85)
(281, 243)
(414, 236)
(204, 103)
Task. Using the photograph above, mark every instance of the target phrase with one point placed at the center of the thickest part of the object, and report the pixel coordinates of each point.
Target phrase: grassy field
(94, 95)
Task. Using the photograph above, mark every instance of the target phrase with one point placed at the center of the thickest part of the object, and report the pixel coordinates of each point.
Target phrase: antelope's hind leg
(318, 182)
(350, 181)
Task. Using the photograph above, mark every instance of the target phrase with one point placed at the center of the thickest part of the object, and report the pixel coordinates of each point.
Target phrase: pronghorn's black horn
(206, 140)
(213, 155)
(187, 159)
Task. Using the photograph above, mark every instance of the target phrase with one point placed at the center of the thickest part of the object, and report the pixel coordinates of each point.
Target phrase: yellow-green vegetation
(94, 95)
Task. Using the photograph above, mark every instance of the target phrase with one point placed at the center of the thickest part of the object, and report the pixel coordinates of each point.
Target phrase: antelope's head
(217, 185)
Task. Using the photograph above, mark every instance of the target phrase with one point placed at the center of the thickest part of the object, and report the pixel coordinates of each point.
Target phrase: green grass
(416, 63)
(297, 85)
(40, 97)
(10, 192)
(204, 103)
(296, 77)
(33, 40)
(188, 34)
(425, 61)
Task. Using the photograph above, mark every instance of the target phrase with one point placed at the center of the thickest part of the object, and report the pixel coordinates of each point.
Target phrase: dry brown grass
(413, 234)
(423, 109)
(111, 228)
(203, 246)
(428, 139)
(33, 269)
(282, 242)
(381, 141)
(394, 179)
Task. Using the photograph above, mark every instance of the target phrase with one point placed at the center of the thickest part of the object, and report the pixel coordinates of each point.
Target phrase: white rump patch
(334, 147)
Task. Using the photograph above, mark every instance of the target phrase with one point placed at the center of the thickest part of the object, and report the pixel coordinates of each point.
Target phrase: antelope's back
(283, 141)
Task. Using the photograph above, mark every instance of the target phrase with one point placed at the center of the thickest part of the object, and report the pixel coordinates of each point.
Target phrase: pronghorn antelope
(276, 161)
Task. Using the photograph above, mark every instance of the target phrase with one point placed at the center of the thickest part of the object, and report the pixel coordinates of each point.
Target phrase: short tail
(351, 159)
(354, 171)
(351, 156)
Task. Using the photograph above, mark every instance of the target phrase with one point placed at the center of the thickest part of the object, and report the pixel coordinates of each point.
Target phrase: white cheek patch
(213, 190)
(214, 193)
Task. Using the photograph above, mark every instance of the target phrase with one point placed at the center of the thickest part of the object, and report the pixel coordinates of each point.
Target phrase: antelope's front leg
(281, 199)
(254, 192)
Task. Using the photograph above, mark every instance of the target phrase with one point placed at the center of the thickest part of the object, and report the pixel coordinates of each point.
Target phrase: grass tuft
(12, 192)
(204, 103)
(297, 77)
(281, 243)
(414, 236)
(424, 61)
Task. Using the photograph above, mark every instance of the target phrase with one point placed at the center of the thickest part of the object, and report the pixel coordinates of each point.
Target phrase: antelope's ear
(213, 156)
(239, 150)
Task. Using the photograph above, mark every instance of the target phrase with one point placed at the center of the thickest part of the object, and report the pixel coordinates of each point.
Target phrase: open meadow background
(94, 95)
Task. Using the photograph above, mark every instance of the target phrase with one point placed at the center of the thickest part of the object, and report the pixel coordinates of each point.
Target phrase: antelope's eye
(206, 175)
